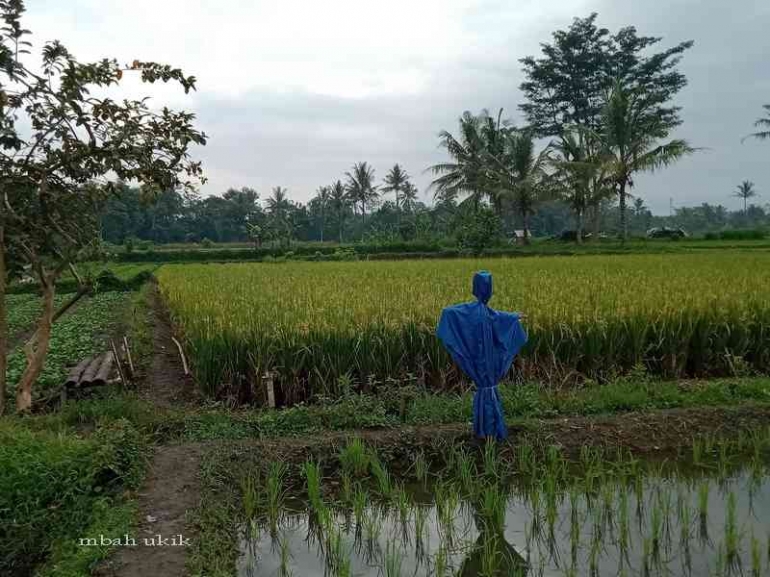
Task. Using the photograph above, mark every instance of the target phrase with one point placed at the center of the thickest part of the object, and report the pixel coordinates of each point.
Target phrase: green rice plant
(447, 500)
(402, 503)
(346, 489)
(275, 494)
(490, 556)
(381, 476)
(354, 458)
(372, 525)
(623, 529)
(284, 569)
(420, 467)
(312, 473)
(703, 510)
(465, 470)
(360, 502)
(249, 496)
(525, 459)
(491, 461)
(656, 526)
(493, 505)
(440, 563)
(394, 560)
(756, 557)
(420, 519)
(732, 538)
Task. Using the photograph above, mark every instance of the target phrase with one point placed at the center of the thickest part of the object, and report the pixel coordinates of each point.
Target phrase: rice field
(484, 513)
(322, 328)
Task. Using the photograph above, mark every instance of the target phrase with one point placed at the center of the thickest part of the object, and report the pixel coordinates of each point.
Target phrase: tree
(340, 201)
(745, 191)
(521, 174)
(466, 173)
(631, 130)
(396, 181)
(361, 189)
(762, 123)
(575, 168)
(566, 86)
(63, 147)
(279, 208)
(322, 199)
(408, 197)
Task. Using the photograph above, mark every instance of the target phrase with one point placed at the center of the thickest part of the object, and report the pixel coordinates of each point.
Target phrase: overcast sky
(292, 93)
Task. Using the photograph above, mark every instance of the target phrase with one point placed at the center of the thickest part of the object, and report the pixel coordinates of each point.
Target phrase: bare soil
(172, 486)
(165, 384)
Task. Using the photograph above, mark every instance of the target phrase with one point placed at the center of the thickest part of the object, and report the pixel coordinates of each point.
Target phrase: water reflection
(652, 526)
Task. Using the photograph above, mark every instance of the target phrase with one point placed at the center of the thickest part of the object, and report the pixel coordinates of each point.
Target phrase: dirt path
(172, 485)
(170, 490)
(166, 385)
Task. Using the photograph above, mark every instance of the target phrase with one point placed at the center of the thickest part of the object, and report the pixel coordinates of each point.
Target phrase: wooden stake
(181, 354)
(270, 388)
(120, 367)
(128, 356)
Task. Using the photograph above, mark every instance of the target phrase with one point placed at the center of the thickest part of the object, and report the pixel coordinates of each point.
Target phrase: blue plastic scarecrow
(483, 342)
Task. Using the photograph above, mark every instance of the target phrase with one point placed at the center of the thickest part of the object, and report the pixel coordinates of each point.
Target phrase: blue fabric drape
(483, 342)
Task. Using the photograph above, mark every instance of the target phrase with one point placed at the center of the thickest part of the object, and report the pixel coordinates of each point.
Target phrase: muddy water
(671, 527)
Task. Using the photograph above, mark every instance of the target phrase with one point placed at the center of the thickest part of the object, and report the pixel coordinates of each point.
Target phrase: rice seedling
(465, 470)
(490, 556)
(249, 496)
(354, 458)
(703, 511)
(491, 461)
(420, 518)
(732, 539)
(756, 557)
(493, 504)
(284, 569)
(372, 526)
(312, 473)
(275, 494)
(420, 467)
(381, 476)
(441, 563)
(394, 559)
(360, 502)
(346, 489)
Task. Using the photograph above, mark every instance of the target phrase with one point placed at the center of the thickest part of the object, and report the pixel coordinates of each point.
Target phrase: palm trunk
(342, 225)
(3, 317)
(525, 220)
(398, 215)
(36, 348)
(363, 221)
(622, 206)
(322, 226)
(596, 216)
(579, 232)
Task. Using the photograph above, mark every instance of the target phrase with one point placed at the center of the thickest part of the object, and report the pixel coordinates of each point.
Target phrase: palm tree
(361, 188)
(340, 201)
(278, 207)
(630, 134)
(466, 173)
(520, 174)
(763, 123)
(395, 181)
(322, 197)
(409, 197)
(575, 168)
(745, 191)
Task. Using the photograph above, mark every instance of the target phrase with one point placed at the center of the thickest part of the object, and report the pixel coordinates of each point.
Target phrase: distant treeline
(176, 218)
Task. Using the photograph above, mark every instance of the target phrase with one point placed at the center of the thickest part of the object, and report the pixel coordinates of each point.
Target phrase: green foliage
(75, 336)
(53, 487)
(478, 229)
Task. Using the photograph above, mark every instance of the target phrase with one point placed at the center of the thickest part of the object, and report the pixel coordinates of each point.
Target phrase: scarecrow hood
(483, 342)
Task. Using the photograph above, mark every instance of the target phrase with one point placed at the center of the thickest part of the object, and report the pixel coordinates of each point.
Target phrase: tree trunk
(363, 221)
(342, 225)
(623, 215)
(525, 221)
(3, 318)
(596, 216)
(322, 226)
(579, 232)
(36, 349)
